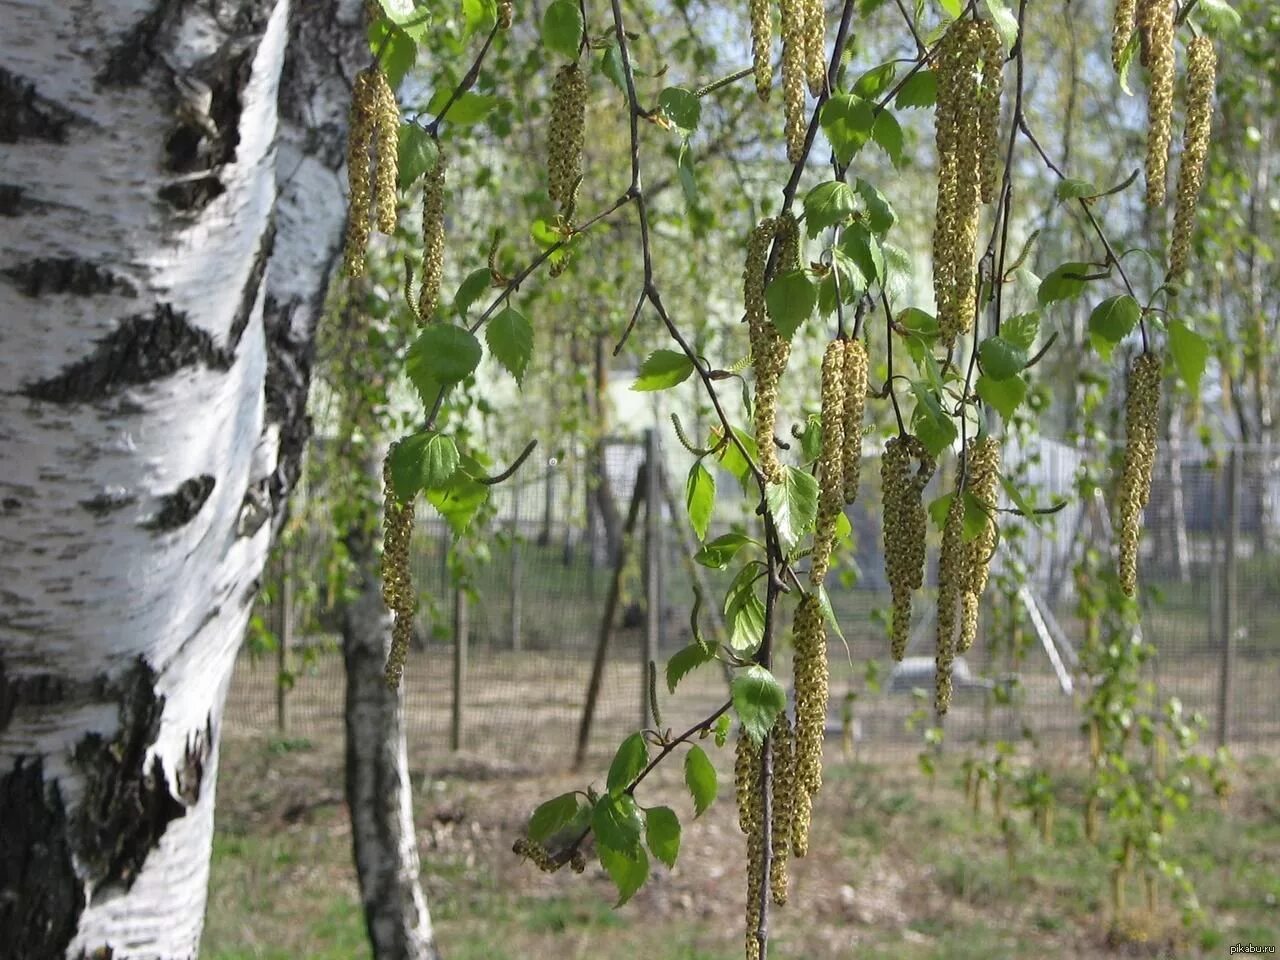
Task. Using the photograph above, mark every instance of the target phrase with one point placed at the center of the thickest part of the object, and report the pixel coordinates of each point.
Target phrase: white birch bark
(140, 458)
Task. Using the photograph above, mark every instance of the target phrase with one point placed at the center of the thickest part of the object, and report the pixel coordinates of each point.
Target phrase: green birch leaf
(510, 339)
(793, 504)
(700, 498)
(758, 698)
(662, 832)
(630, 759)
(552, 816)
(662, 370)
(562, 28)
(628, 873)
(700, 778)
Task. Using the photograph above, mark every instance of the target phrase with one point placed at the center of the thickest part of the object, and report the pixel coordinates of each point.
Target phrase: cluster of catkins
(1141, 424)
(804, 26)
(905, 526)
(1202, 67)
(538, 855)
(769, 349)
(565, 136)
(374, 124)
(969, 68)
(397, 586)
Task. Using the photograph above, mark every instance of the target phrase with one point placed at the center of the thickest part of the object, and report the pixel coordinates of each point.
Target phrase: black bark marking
(130, 59)
(14, 201)
(179, 508)
(10, 505)
(127, 803)
(102, 504)
(249, 292)
(25, 115)
(38, 690)
(289, 359)
(141, 350)
(35, 278)
(192, 195)
(40, 896)
(255, 508)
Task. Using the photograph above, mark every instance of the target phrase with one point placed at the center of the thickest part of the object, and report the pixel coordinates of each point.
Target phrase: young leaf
(1004, 395)
(562, 28)
(921, 90)
(1063, 283)
(1114, 318)
(700, 498)
(459, 500)
(396, 48)
(611, 67)
(758, 698)
(876, 80)
(847, 121)
(630, 759)
(421, 462)
(510, 339)
(681, 107)
(1005, 22)
(476, 283)
(417, 154)
(1070, 189)
(662, 833)
(880, 214)
(700, 778)
(662, 370)
(617, 823)
(719, 553)
(827, 204)
(553, 815)
(443, 355)
(744, 611)
(929, 422)
(469, 108)
(628, 872)
(685, 661)
(790, 299)
(1022, 330)
(1001, 359)
(887, 134)
(793, 504)
(1190, 353)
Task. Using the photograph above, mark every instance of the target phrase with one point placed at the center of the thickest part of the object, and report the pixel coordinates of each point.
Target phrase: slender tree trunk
(152, 378)
(379, 796)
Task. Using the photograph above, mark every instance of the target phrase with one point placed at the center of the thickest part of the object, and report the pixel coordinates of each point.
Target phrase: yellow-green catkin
(830, 461)
(811, 685)
(815, 32)
(983, 484)
(360, 129)
(761, 46)
(855, 402)
(1122, 29)
(967, 114)
(905, 526)
(765, 352)
(1155, 24)
(1142, 424)
(794, 25)
(1202, 67)
(784, 783)
(432, 239)
(386, 120)
(536, 854)
(746, 778)
(397, 585)
(950, 580)
(565, 137)
(506, 14)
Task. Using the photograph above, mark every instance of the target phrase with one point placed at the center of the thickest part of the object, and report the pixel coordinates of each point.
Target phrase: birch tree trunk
(379, 795)
(152, 383)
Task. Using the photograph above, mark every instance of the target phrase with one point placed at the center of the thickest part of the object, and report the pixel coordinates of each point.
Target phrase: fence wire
(1210, 571)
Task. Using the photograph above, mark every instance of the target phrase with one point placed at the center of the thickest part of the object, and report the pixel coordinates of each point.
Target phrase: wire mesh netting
(514, 688)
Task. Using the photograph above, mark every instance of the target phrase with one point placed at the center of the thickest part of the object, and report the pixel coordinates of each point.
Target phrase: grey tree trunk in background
(170, 206)
(379, 795)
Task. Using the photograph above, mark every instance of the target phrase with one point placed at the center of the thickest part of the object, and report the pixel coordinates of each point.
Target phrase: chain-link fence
(504, 668)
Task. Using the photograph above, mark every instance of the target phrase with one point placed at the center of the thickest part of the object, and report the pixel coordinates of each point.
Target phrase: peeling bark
(156, 311)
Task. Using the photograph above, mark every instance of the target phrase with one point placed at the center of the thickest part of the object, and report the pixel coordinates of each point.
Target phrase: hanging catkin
(432, 239)
(397, 585)
(761, 46)
(1155, 26)
(386, 120)
(1202, 66)
(811, 684)
(1122, 29)
(746, 778)
(905, 525)
(1141, 424)
(855, 401)
(565, 137)
(966, 120)
(794, 53)
(784, 784)
(360, 129)
(815, 30)
(768, 350)
(830, 460)
(983, 483)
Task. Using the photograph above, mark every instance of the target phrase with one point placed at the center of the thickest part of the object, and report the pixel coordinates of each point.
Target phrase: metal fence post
(461, 629)
(1231, 518)
(284, 642)
(517, 588)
